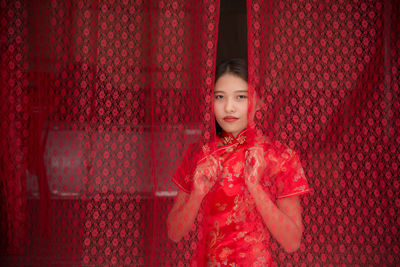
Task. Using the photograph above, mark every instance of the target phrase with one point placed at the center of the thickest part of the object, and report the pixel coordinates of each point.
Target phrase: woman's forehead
(230, 84)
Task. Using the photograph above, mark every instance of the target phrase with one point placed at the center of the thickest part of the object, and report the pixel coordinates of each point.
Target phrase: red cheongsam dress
(232, 231)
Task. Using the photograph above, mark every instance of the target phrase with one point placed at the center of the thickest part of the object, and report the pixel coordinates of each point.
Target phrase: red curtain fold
(14, 127)
(328, 86)
(101, 98)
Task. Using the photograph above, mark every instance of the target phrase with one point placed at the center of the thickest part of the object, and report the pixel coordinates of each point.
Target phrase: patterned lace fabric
(100, 99)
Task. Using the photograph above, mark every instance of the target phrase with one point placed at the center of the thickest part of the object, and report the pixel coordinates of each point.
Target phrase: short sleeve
(183, 176)
(291, 180)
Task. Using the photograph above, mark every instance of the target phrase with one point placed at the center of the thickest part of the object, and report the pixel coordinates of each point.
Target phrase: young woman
(248, 187)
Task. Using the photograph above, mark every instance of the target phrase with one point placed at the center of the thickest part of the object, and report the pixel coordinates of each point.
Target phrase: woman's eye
(219, 97)
(242, 96)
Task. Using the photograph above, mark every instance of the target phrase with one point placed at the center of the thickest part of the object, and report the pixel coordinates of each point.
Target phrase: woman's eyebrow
(238, 91)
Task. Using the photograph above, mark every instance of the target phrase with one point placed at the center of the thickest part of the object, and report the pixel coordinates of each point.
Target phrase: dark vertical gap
(232, 31)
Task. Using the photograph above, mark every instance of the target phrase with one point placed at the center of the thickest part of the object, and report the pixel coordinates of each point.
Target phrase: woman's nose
(229, 106)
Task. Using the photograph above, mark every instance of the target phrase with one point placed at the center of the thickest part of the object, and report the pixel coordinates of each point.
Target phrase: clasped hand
(255, 166)
(205, 175)
(206, 172)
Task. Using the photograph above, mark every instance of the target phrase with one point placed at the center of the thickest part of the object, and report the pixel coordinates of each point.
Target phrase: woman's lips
(230, 119)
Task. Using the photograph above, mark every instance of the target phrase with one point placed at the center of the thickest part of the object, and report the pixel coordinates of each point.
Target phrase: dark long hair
(233, 66)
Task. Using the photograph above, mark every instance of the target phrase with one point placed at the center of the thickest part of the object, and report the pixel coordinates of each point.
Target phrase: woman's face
(231, 103)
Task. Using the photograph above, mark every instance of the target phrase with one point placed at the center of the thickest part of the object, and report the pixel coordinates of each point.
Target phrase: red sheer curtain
(100, 99)
(328, 73)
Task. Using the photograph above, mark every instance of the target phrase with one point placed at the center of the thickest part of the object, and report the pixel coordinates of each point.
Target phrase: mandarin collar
(229, 139)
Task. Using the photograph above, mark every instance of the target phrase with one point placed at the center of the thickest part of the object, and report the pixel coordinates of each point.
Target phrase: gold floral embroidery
(255, 239)
(224, 254)
(225, 172)
(232, 216)
(206, 148)
(238, 213)
(215, 236)
(228, 140)
(238, 167)
(220, 207)
(241, 139)
(230, 149)
(240, 235)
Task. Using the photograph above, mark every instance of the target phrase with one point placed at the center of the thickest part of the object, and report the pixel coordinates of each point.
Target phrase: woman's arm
(283, 219)
(186, 206)
(182, 215)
